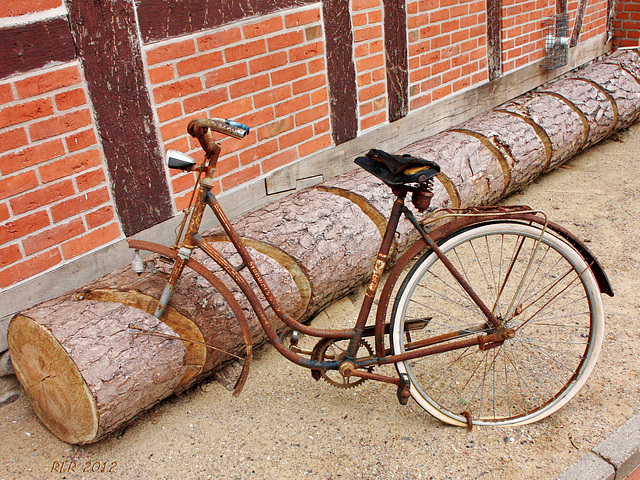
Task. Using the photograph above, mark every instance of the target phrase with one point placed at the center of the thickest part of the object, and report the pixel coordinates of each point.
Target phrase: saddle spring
(422, 195)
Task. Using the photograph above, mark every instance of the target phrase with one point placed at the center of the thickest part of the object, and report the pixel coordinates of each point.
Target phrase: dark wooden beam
(162, 19)
(395, 40)
(494, 44)
(341, 70)
(31, 46)
(106, 37)
(577, 24)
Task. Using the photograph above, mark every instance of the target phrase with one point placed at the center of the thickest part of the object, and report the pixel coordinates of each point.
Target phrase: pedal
(404, 389)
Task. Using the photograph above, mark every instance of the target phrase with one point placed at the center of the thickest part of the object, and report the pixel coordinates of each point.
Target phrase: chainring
(330, 349)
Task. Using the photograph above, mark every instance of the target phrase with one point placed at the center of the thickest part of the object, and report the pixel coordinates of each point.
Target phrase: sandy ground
(287, 426)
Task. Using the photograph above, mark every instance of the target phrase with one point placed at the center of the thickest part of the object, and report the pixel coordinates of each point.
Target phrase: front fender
(220, 287)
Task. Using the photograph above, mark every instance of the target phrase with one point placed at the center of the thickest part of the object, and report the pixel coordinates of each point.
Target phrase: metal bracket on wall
(556, 41)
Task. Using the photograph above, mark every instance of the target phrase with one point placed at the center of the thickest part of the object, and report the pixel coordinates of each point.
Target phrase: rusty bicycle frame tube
(201, 129)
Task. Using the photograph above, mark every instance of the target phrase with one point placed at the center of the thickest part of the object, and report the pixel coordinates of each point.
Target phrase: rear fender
(486, 215)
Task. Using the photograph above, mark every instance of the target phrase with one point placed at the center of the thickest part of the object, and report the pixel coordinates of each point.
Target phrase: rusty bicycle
(493, 316)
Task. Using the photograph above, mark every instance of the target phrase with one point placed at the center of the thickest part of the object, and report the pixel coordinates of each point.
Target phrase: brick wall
(269, 73)
(14, 8)
(447, 48)
(626, 23)
(54, 198)
(289, 70)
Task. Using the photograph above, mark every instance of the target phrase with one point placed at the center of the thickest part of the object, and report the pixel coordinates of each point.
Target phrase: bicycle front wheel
(535, 283)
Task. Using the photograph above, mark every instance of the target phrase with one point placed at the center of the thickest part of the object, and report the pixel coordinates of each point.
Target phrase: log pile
(86, 372)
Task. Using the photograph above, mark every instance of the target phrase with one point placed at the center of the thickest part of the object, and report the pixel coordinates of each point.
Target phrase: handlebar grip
(199, 127)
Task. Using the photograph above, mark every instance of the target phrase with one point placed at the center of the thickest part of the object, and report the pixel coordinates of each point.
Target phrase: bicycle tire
(537, 284)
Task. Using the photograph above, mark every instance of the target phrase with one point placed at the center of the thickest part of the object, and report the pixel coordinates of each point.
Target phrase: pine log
(86, 372)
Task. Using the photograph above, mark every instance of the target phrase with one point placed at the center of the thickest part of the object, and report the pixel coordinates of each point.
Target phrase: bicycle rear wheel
(535, 283)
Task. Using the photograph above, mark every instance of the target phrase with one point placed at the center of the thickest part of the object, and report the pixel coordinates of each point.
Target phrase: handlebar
(198, 128)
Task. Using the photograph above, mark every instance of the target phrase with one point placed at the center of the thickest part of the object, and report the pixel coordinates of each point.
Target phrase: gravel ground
(287, 426)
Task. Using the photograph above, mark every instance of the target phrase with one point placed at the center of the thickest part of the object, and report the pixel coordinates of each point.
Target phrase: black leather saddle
(396, 170)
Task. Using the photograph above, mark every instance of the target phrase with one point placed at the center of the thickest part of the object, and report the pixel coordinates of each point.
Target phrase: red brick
(245, 50)
(316, 65)
(268, 62)
(308, 84)
(277, 128)
(13, 8)
(47, 82)
(306, 51)
(297, 136)
(200, 63)
(29, 268)
(371, 92)
(162, 74)
(9, 255)
(25, 112)
(70, 99)
(369, 33)
(319, 96)
(61, 124)
(6, 93)
(364, 4)
(100, 216)
(31, 156)
(94, 239)
(285, 40)
(52, 236)
(23, 226)
(361, 50)
(313, 33)
(43, 196)
(223, 37)
(307, 116)
(302, 18)
(292, 106)
(264, 27)
(249, 86)
(288, 74)
(183, 181)
(69, 165)
(169, 111)
(283, 157)
(225, 74)
(172, 51)
(207, 99)
(15, 184)
(370, 63)
(80, 140)
(321, 127)
(90, 179)
(237, 178)
(79, 204)
(4, 212)
(262, 150)
(373, 120)
(273, 95)
(227, 164)
(13, 139)
(256, 117)
(314, 145)
(232, 109)
(178, 89)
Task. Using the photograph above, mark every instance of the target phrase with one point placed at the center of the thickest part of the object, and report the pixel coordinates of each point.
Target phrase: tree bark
(312, 248)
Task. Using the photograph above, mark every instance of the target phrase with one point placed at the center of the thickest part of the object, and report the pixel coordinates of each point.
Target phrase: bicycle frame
(350, 365)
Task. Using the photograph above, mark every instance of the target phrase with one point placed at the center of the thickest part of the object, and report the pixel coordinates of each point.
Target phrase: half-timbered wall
(92, 93)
